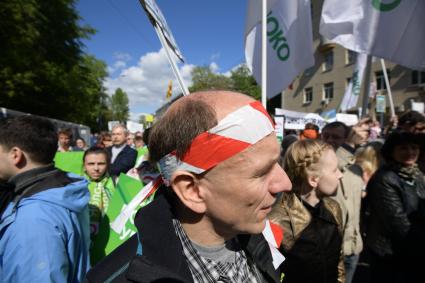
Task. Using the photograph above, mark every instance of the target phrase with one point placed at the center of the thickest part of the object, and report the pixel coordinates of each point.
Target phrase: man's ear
(186, 186)
(17, 157)
(313, 181)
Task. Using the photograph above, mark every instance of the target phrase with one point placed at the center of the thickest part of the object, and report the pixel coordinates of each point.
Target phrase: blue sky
(207, 32)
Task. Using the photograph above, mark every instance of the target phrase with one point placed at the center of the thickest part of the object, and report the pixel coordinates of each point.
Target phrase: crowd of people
(232, 199)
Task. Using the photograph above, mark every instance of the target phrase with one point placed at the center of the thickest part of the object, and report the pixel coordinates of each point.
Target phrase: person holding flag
(96, 161)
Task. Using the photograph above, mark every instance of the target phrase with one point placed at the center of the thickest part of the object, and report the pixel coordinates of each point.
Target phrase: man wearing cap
(218, 155)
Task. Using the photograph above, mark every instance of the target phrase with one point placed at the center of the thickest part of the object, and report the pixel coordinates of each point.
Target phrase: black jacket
(162, 258)
(125, 160)
(396, 221)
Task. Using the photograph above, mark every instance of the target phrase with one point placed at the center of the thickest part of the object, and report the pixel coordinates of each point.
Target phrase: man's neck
(118, 146)
(29, 171)
(203, 233)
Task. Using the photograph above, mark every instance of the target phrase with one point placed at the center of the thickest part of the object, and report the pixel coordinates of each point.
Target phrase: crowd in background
(368, 204)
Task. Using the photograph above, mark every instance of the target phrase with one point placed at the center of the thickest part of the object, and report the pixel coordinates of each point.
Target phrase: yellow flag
(170, 89)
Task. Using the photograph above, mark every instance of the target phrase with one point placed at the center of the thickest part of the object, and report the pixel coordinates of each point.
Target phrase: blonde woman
(368, 159)
(311, 221)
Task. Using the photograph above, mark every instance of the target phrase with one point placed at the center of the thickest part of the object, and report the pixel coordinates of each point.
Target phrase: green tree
(203, 78)
(119, 106)
(43, 69)
(244, 82)
(240, 80)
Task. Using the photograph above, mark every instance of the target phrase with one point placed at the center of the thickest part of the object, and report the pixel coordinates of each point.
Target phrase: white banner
(133, 127)
(290, 41)
(295, 120)
(393, 30)
(347, 119)
(352, 93)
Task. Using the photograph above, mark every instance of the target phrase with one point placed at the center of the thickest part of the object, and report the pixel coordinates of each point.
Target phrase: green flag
(107, 239)
(70, 162)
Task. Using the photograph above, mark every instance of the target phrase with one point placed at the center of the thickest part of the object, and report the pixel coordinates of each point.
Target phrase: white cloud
(229, 73)
(214, 67)
(146, 83)
(121, 56)
(120, 63)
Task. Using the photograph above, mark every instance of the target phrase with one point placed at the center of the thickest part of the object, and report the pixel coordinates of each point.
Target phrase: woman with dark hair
(96, 161)
(396, 225)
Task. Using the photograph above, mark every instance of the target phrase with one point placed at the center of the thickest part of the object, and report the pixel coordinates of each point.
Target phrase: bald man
(218, 155)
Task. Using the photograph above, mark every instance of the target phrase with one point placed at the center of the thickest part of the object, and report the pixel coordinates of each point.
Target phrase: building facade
(321, 88)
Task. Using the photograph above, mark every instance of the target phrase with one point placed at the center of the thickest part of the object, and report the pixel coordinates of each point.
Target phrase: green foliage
(43, 69)
(204, 79)
(244, 82)
(240, 80)
(119, 106)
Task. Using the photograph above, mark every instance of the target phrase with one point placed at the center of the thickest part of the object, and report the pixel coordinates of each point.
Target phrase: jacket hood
(74, 196)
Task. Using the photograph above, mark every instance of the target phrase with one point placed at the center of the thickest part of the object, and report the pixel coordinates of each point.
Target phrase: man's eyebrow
(271, 162)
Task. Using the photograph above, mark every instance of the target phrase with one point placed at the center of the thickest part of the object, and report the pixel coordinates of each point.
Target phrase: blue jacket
(45, 237)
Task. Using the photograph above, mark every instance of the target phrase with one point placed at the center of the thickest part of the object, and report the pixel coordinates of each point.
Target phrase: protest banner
(347, 119)
(117, 225)
(295, 120)
(133, 127)
(329, 115)
(71, 161)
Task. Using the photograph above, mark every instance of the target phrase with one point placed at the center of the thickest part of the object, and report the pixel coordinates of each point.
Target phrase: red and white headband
(233, 134)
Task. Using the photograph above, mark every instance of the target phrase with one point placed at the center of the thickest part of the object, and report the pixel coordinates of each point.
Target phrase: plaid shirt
(205, 270)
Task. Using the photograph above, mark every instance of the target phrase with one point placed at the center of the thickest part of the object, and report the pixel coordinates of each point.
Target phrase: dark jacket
(312, 239)
(162, 258)
(125, 160)
(396, 222)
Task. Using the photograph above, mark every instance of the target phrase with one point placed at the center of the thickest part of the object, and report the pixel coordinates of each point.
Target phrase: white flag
(156, 17)
(394, 30)
(352, 93)
(289, 41)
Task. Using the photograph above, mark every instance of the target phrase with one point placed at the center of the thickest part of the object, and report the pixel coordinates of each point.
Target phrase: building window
(308, 95)
(328, 62)
(418, 77)
(350, 57)
(328, 91)
(380, 80)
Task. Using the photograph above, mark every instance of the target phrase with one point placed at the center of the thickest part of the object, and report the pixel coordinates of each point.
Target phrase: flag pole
(366, 86)
(387, 83)
(173, 64)
(264, 55)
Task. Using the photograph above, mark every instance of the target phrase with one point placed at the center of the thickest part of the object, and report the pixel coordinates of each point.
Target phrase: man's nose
(279, 180)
